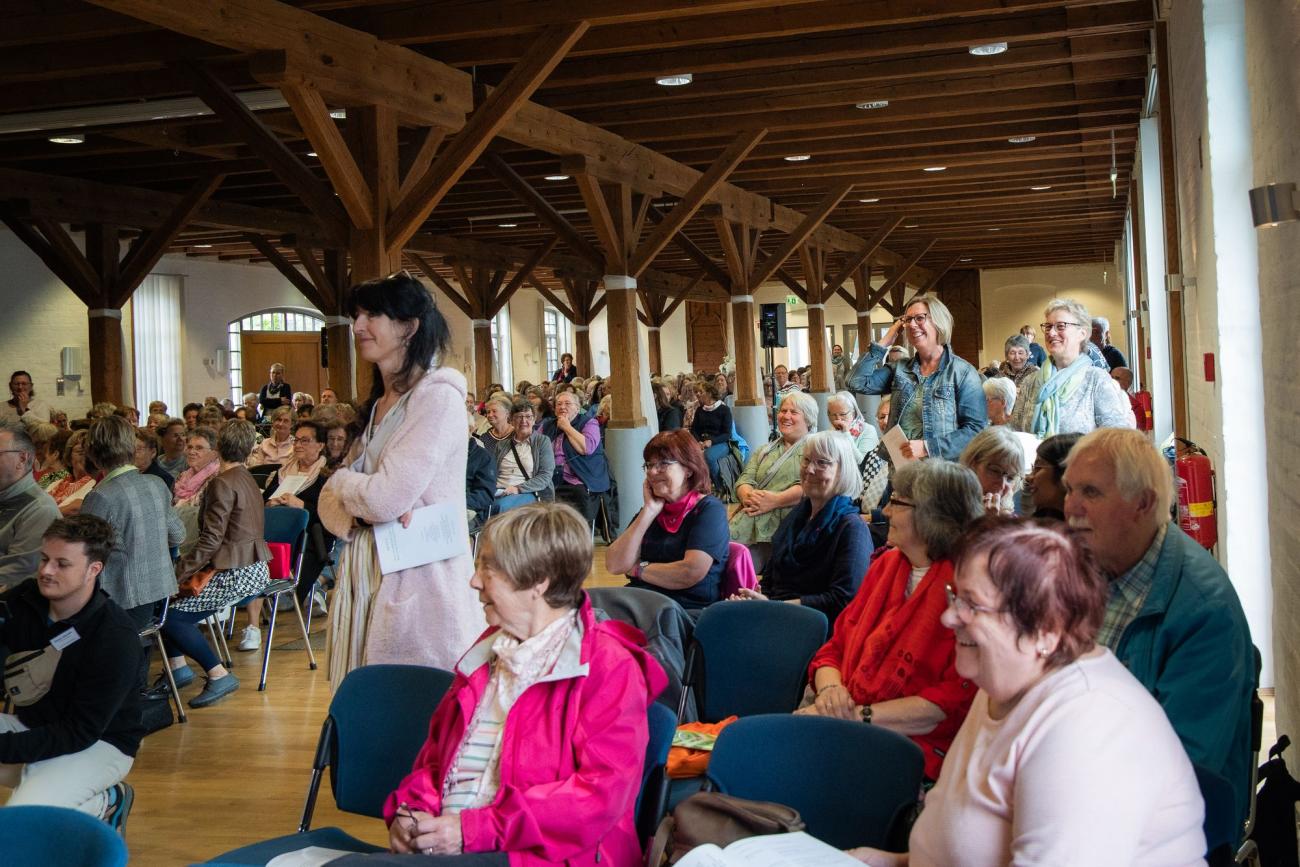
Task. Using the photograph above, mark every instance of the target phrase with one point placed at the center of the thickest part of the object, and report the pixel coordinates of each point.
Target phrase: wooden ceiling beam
(266, 144)
(335, 157)
(296, 278)
(501, 105)
(329, 290)
(545, 212)
(863, 256)
(525, 271)
(899, 277)
(417, 159)
(151, 246)
(711, 268)
(559, 305)
(438, 280)
(726, 163)
(801, 234)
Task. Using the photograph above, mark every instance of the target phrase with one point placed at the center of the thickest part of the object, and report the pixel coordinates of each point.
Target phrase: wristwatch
(640, 568)
(866, 714)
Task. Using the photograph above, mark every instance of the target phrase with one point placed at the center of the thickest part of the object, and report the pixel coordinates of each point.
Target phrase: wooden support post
(482, 356)
(582, 348)
(814, 269)
(862, 290)
(106, 355)
(656, 350)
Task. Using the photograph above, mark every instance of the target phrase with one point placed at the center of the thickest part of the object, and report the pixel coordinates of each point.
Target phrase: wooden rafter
(525, 271)
(151, 246)
(801, 233)
(344, 173)
(545, 212)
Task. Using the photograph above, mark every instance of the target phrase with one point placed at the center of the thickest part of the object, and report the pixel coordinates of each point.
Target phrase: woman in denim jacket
(936, 397)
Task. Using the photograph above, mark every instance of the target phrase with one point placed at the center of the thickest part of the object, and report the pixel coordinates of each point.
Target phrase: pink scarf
(191, 482)
(674, 513)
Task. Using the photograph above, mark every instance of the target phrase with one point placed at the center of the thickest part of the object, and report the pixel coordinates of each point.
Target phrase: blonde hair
(540, 542)
(940, 315)
(997, 443)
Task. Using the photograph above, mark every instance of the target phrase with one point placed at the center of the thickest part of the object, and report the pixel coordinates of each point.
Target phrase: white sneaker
(318, 597)
(252, 639)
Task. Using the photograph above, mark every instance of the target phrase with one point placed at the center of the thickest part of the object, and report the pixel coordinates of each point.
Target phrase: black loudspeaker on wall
(324, 347)
(771, 325)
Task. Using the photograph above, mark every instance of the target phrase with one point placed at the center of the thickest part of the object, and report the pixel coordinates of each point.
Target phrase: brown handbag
(712, 817)
(193, 585)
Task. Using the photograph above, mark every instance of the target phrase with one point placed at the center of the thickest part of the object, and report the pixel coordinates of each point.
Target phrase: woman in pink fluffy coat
(412, 445)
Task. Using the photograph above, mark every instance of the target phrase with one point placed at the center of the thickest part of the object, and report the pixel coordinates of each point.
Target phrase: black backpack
(1275, 830)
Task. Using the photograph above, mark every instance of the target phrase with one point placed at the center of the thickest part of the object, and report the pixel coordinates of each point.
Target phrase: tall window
(796, 341)
(267, 320)
(156, 329)
(555, 338)
(502, 368)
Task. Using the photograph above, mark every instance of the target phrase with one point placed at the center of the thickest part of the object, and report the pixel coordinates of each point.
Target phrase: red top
(888, 646)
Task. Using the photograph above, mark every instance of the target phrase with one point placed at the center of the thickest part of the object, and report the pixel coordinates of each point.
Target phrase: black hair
(402, 298)
(314, 426)
(94, 532)
(1054, 450)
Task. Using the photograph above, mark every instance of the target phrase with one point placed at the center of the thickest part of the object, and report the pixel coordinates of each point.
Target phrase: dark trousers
(181, 637)
(587, 503)
(142, 616)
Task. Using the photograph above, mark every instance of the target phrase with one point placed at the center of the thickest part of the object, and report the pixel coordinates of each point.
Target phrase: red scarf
(674, 513)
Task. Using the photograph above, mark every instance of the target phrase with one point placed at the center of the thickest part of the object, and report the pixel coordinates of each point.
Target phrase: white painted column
(1154, 278)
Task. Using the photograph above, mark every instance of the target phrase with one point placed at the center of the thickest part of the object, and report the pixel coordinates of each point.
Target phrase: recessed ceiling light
(68, 138)
(506, 225)
(966, 259)
(797, 158)
(557, 177)
(988, 49)
(1022, 139)
(202, 246)
(339, 113)
(910, 225)
(1040, 187)
(868, 201)
(995, 228)
(873, 103)
(311, 153)
(677, 80)
(935, 169)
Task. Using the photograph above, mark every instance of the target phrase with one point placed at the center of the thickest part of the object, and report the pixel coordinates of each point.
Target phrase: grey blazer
(541, 482)
(139, 570)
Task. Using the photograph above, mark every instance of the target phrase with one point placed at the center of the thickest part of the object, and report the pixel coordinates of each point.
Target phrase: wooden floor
(237, 772)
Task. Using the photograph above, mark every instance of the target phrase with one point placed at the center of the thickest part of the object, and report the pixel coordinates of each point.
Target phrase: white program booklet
(437, 532)
(894, 439)
(770, 850)
(312, 856)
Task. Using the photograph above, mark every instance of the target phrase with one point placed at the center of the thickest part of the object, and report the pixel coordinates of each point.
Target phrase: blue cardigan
(1190, 647)
(592, 469)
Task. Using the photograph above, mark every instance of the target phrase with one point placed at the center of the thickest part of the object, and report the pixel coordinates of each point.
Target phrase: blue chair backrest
(381, 719)
(752, 657)
(288, 525)
(853, 784)
(41, 836)
(663, 725)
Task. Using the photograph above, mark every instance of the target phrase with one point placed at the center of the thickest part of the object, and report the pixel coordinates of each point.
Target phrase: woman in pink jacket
(412, 444)
(535, 755)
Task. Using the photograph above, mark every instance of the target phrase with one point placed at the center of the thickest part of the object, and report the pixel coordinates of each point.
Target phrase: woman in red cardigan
(890, 662)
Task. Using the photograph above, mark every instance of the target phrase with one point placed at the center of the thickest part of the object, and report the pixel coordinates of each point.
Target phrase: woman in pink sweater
(412, 445)
(1064, 757)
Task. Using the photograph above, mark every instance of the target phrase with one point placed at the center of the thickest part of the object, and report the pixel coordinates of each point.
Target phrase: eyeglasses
(306, 441)
(900, 502)
(918, 319)
(1058, 327)
(12, 451)
(819, 463)
(966, 611)
(658, 466)
(1007, 475)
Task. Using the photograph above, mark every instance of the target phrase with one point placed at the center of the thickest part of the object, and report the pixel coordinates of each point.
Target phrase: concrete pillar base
(752, 423)
(624, 449)
(869, 403)
(823, 415)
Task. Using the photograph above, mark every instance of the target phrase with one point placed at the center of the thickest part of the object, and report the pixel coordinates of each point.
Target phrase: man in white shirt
(23, 406)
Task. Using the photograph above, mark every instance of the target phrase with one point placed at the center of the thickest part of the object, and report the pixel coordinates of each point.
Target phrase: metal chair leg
(306, 636)
(270, 636)
(171, 678)
(226, 659)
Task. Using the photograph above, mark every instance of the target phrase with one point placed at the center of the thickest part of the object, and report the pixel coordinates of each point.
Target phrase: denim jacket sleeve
(971, 410)
(869, 376)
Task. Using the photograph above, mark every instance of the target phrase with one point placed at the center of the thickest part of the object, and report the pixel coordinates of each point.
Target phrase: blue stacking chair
(751, 657)
(653, 797)
(377, 723)
(287, 525)
(41, 836)
(853, 784)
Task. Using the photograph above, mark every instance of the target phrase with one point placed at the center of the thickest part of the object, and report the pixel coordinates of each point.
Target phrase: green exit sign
(792, 300)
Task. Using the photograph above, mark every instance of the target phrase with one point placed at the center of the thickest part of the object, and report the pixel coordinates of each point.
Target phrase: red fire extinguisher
(1141, 403)
(1196, 516)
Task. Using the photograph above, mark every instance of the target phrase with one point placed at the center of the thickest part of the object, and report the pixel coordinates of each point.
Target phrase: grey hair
(278, 367)
(236, 441)
(1001, 388)
(206, 433)
(997, 444)
(1139, 466)
(1015, 341)
(506, 401)
(21, 438)
(837, 446)
(940, 315)
(948, 499)
(280, 412)
(807, 407)
(1077, 311)
(846, 398)
(251, 394)
(1102, 321)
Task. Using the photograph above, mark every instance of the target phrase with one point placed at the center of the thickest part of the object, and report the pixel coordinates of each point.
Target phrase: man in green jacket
(1173, 617)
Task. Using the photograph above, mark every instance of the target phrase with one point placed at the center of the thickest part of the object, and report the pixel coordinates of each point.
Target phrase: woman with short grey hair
(936, 395)
(768, 488)
(822, 548)
(1069, 394)
(846, 417)
(999, 399)
(1017, 365)
(997, 458)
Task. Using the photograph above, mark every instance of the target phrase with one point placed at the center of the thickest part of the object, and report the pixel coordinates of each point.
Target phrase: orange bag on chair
(684, 762)
(281, 565)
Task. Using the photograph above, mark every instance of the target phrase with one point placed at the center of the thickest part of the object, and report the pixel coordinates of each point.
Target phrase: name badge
(65, 638)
